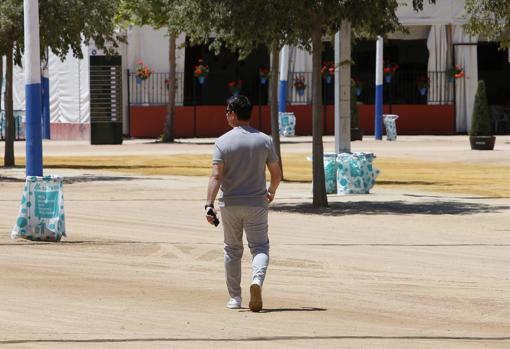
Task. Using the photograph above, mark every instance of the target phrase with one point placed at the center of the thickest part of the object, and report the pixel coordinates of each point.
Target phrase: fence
(213, 91)
(19, 124)
(154, 90)
(403, 89)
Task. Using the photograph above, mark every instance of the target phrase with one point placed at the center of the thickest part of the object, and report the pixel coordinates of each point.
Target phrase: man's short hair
(241, 106)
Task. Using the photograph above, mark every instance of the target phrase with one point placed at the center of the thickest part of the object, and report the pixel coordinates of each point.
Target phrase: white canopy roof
(442, 12)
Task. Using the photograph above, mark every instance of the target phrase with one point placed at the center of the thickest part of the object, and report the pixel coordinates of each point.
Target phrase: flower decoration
(299, 82)
(422, 81)
(264, 72)
(457, 72)
(201, 69)
(235, 86)
(390, 68)
(142, 71)
(263, 75)
(328, 69)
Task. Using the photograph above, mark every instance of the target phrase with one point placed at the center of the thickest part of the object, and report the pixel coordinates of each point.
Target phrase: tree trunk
(320, 199)
(345, 87)
(273, 85)
(1, 78)
(168, 134)
(10, 127)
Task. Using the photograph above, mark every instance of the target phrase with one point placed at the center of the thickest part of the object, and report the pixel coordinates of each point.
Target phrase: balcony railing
(154, 91)
(403, 89)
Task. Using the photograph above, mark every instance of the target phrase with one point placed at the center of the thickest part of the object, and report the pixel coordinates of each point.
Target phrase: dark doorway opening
(224, 68)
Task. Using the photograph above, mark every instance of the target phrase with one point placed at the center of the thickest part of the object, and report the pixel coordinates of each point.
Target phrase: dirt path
(141, 269)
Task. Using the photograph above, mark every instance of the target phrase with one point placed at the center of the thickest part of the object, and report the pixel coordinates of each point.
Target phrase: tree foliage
(244, 25)
(481, 121)
(64, 26)
(490, 18)
(158, 14)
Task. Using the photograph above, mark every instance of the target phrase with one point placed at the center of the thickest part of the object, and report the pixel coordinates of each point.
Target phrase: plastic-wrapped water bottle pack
(330, 172)
(355, 173)
(287, 124)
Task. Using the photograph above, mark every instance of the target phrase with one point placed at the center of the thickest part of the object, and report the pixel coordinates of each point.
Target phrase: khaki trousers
(253, 220)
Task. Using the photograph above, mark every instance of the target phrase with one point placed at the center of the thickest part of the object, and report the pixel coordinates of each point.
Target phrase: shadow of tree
(391, 207)
(301, 309)
(85, 178)
(259, 339)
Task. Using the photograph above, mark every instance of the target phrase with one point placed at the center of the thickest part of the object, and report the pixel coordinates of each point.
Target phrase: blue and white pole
(45, 87)
(379, 88)
(284, 72)
(34, 166)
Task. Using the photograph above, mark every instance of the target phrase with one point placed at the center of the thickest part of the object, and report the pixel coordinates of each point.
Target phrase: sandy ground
(141, 269)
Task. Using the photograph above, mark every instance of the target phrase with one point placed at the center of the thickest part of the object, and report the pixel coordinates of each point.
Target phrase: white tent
(69, 80)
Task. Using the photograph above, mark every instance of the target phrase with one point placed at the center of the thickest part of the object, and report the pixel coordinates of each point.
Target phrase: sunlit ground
(461, 178)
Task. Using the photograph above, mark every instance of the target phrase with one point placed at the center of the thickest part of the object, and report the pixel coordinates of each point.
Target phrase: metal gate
(105, 100)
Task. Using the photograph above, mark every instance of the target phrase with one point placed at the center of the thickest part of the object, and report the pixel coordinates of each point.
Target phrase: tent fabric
(465, 47)
(151, 46)
(69, 89)
(415, 32)
(437, 44)
(442, 12)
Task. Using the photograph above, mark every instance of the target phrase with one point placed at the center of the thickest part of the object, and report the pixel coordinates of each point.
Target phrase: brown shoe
(255, 297)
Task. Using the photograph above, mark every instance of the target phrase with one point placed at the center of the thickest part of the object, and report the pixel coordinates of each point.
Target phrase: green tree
(243, 25)
(490, 18)
(11, 15)
(64, 26)
(319, 18)
(481, 120)
(158, 14)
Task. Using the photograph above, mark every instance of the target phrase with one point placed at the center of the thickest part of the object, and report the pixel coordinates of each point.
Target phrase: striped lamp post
(45, 92)
(284, 72)
(34, 166)
(379, 88)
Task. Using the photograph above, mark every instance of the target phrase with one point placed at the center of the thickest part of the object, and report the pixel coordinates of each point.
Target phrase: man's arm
(213, 188)
(276, 176)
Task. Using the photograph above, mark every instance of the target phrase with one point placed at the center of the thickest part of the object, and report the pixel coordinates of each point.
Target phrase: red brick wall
(210, 121)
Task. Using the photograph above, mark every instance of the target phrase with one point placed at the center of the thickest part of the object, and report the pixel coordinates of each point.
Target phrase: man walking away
(240, 158)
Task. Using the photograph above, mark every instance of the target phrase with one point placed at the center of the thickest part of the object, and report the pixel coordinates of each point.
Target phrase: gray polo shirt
(244, 152)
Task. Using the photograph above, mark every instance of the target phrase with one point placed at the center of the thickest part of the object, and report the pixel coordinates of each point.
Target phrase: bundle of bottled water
(330, 172)
(287, 124)
(391, 126)
(355, 173)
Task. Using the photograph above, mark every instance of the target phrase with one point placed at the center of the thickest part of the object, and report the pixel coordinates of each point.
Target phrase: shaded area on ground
(481, 179)
(86, 178)
(255, 339)
(71, 243)
(391, 207)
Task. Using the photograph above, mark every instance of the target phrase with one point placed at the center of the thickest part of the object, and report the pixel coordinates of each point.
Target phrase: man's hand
(270, 196)
(211, 215)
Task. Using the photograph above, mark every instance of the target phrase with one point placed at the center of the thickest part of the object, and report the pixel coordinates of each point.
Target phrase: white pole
(284, 72)
(379, 88)
(337, 94)
(32, 67)
(45, 87)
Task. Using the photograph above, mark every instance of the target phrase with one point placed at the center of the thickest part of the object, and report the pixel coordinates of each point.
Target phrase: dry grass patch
(462, 178)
